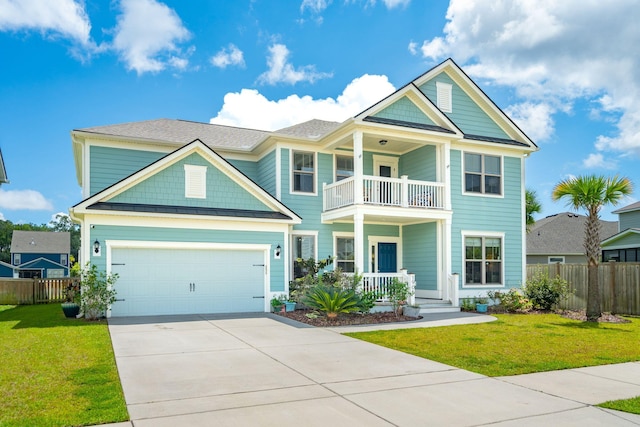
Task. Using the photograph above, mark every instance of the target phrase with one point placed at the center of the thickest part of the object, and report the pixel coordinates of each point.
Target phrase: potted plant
(481, 304)
(70, 306)
(289, 305)
(398, 292)
(277, 303)
(411, 310)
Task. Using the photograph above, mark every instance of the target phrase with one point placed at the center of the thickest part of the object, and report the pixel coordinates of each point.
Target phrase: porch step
(435, 306)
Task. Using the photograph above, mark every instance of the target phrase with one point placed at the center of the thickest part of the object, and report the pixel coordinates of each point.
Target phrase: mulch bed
(604, 318)
(345, 319)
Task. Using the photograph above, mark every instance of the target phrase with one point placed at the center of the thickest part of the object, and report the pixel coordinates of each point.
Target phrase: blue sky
(567, 72)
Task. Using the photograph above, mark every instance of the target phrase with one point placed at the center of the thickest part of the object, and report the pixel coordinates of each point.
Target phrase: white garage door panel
(179, 281)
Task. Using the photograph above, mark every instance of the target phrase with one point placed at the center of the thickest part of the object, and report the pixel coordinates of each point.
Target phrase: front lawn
(56, 371)
(518, 344)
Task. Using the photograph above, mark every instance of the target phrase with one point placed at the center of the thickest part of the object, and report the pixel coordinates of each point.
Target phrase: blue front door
(387, 258)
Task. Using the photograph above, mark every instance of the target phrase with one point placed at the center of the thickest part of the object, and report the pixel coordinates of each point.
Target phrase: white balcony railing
(381, 191)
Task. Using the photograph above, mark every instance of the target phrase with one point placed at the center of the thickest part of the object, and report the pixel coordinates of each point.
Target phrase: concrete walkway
(237, 371)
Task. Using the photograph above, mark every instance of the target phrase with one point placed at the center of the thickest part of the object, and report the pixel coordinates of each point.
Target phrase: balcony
(381, 191)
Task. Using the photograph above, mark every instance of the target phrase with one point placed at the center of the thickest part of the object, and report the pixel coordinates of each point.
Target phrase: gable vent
(195, 182)
(443, 96)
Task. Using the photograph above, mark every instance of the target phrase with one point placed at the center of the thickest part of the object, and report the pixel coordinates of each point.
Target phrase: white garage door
(187, 281)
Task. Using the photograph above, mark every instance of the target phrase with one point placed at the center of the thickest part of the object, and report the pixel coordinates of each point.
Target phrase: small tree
(532, 206)
(96, 291)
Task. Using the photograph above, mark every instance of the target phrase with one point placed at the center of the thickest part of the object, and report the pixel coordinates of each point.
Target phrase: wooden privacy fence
(35, 291)
(619, 285)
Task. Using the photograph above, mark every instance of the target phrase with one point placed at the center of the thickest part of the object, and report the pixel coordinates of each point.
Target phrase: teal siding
(489, 214)
(419, 254)
(466, 114)
(629, 220)
(630, 240)
(266, 173)
(404, 109)
(419, 164)
(167, 188)
(110, 165)
(248, 168)
(104, 232)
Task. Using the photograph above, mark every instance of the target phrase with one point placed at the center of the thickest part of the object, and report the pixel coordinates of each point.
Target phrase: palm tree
(591, 193)
(532, 206)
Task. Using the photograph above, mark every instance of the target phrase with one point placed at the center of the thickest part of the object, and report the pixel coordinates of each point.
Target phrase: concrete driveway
(209, 370)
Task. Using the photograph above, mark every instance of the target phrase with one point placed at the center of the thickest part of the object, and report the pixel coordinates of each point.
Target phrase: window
(345, 256)
(303, 172)
(483, 260)
(303, 247)
(344, 167)
(482, 174)
(63, 259)
(443, 97)
(195, 182)
(556, 259)
(17, 259)
(55, 273)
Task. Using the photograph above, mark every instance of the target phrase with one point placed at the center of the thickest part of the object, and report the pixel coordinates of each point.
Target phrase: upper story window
(482, 174)
(303, 172)
(443, 97)
(63, 259)
(195, 182)
(344, 167)
(483, 260)
(17, 259)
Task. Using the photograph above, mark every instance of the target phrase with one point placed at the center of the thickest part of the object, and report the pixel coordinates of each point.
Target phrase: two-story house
(42, 254)
(625, 245)
(428, 183)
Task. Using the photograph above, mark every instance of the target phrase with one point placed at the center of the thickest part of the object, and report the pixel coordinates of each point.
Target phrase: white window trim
(335, 236)
(555, 262)
(291, 173)
(471, 233)
(335, 164)
(17, 259)
(390, 161)
(444, 103)
(64, 261)
(473, 193)
(195, 172)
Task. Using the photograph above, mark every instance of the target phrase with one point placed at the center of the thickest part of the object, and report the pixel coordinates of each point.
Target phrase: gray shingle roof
(312, 129)
(630, 208)
(563, 233)
(40, 242)
(183, 131)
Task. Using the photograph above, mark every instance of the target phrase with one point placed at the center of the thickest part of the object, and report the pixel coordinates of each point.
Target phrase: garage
(173, 280)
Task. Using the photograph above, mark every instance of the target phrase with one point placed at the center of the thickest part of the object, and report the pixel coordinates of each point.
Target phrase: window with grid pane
(303, 172)
(304, 247)
(345, 256)
(483, 260)
(482, 174)
(344, 167)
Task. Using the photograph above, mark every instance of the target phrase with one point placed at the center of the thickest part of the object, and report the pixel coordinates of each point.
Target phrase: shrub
(398, 294)
(544, 292)
(467, 304)
(513, 301)
(367, 301)
(96, 292)
(332, 300)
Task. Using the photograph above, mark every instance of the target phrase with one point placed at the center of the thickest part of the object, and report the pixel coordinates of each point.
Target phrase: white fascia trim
(473, 233)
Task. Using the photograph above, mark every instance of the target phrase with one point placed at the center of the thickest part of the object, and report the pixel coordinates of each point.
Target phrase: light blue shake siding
(167, 187)
(630, 240)
(110, 165)
(248, 168)
(265, 173)
(479, 213)
(466, 114)
(404, 109)
(276, 273)
(629, 220)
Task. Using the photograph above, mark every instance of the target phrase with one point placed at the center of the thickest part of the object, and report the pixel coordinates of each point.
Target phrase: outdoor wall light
(383, 142)
(278, 249)
(96, 247)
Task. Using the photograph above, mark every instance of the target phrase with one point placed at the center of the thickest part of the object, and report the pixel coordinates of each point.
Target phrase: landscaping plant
(544, 292)
(513, 301)
(332, 300)
(398, 293)
(96, 291)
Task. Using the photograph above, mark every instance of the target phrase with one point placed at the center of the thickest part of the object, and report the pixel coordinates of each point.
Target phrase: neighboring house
(625, 245)
(8, 270)
(204, 218)
(41, 253)
(3, 171)
(559, 238)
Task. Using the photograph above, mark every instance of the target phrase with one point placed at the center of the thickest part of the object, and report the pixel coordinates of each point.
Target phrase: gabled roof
(3, 171)
(630, 208)
(4, 264)
(312, 129)
(628, 232)
(101, 200)
(40, 242)
(34, 264)
(563, 233)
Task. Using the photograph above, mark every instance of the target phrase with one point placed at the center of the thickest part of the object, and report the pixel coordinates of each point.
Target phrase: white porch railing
(382, 191)
(378, 283)
(450, 292)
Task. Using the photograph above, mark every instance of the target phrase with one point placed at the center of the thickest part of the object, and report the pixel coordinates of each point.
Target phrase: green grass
(517, 344)
(627, 405)
(56, 371)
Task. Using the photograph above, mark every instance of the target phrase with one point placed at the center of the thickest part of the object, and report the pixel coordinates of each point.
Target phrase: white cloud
(23, 199)
(250, 108)
(552, 52)
(1, 217)
(392, 4)
(281, 71)
(229, 55)
(534, 119)
(597, 161)
(60, 18)
(146, 36)
(315, 6)
(413, 47)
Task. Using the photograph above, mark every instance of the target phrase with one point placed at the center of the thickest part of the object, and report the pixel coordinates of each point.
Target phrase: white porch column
(358, 241)
(450, 293)
(357, 169)
(446, 174)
